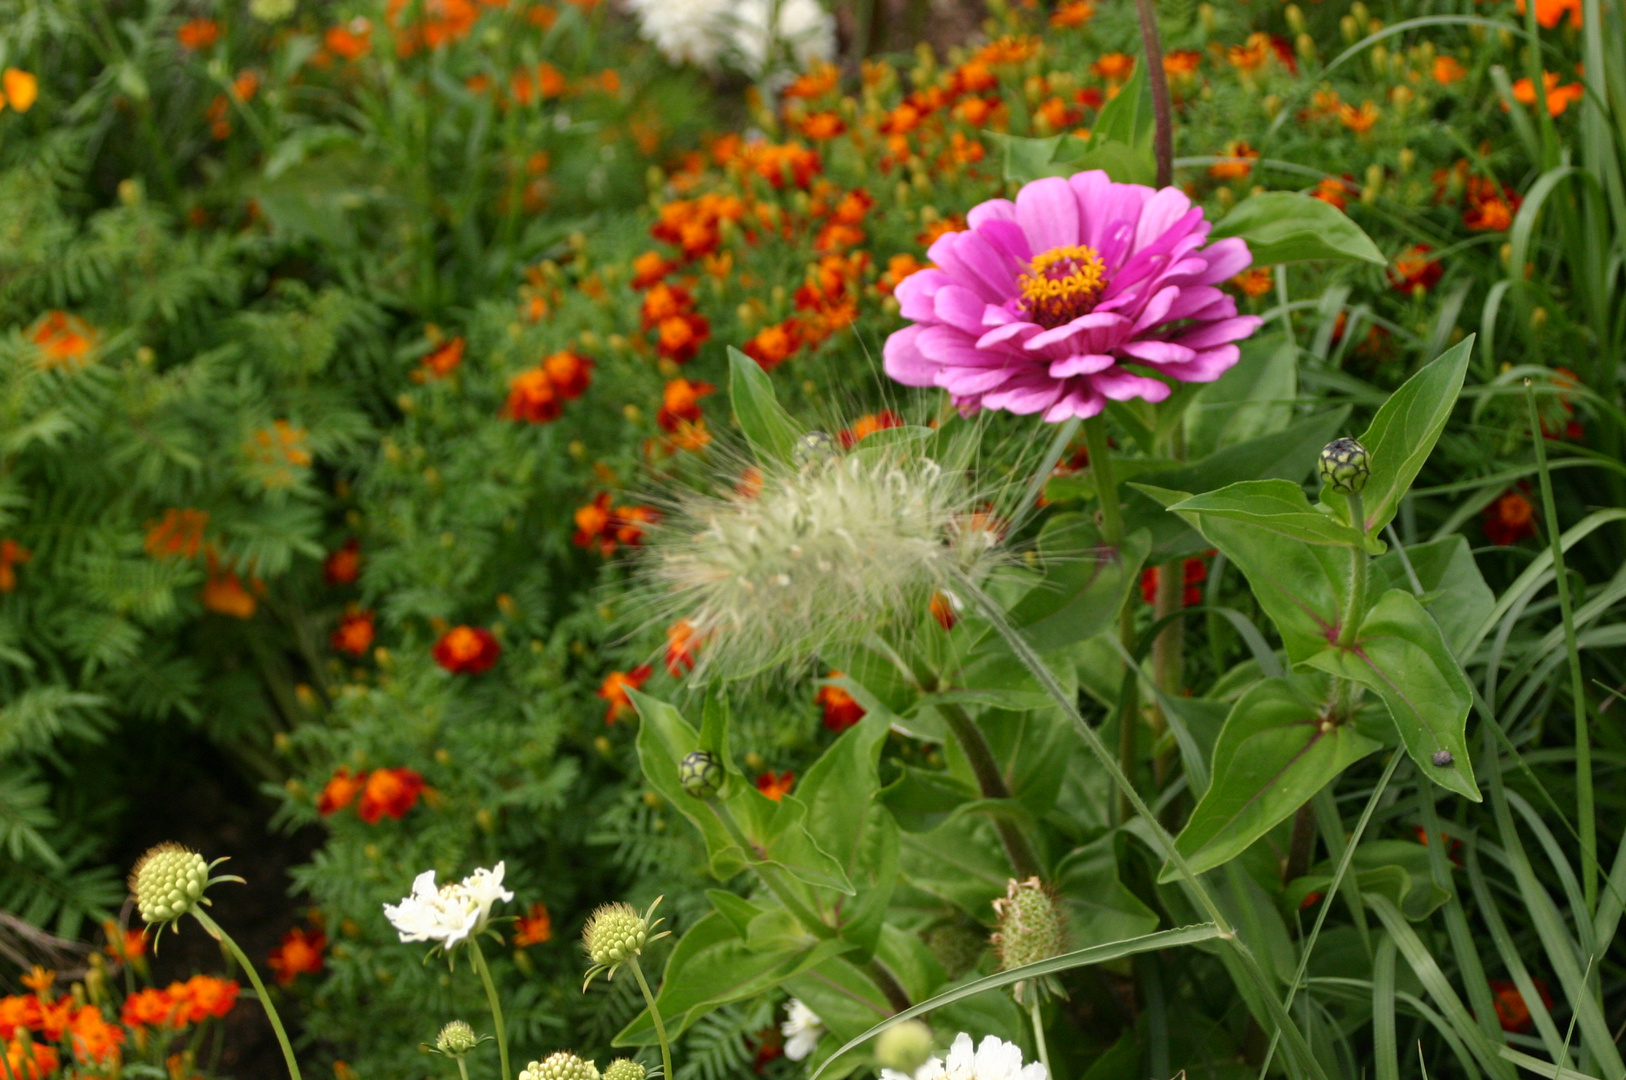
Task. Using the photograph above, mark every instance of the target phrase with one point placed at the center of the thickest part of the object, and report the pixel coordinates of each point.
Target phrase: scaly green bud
(456, 1039)
(904, 1047)
(701, 774)
(1345, 467)
(615, 933)
(813, 447)
(168, 881)
(624, 1069)
(1031, 925)
(562, 1065)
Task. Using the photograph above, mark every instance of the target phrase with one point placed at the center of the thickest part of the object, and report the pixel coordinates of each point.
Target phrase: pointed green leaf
(1085, 582)
(1404, 432)
(767, 426)
(1454, 591)
(1284, 227)
(1277, 505)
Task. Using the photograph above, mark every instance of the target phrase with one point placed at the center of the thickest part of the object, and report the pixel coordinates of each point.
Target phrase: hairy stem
(655, 1015)
(496, 1006)
(1301, 848)
(214, 931)
(1162, 113)
(1024, 861)
(1358, 560)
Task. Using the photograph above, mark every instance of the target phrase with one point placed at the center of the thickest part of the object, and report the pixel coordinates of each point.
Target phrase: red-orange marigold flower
(776, 787)
(151, 1007)
(1512, 1011)
(1255, 281)
(533, 928)
(614, 690)
(680, 402)
(444, 359)
(1413, 269)
(1193, 573)
(841, 711)
(816, 83)
(203, 996)
(123, 945)
(773, 345)
(1333, 191)
(532, 398)
(197, 34)
(1113, 67)
(944, 610)
(679, 337)
(1072, 13)
(389, 793)
(1448, 69)
(343, 566)
(340, 790)
(1549, 13)
(593, 524)
(12, 554)
(682, 639)
(224, 594)
(1235, 169)
(93, 1038)
(1182, 63)
(21, 89)
(1490, 208)
(350, 40)
(868, 425)
(299, 954)
(1558, 97)
(179, 533)
(1510, 519)
(823, 126)
(355, 633)
(64, 340)
(31, 1060)
(467, 650)
(571, 373)
(649, 268)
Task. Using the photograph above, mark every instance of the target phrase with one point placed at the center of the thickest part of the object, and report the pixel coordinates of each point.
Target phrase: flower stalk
(213, 929)
(655, 1015)
(1162, 112)
(479, 961)
(1024, 860)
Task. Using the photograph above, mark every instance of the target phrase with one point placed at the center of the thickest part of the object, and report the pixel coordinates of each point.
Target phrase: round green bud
(814, 447)
(456, 1039)
(701, 774)
(1032, 926)
(562, 1065)
(168, 881)
(904, 1047)
(624, 1069)
(1344, 466)
(615, 933)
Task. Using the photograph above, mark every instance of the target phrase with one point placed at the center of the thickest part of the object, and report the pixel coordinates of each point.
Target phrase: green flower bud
(957, 947)
(1345, 466)
(562, 1065)
(701, 774)
(456, 1039)
(815, 446)
(1031, 925)
(168, 881)
(904, 1047)
(615, 933)
(624, 1069)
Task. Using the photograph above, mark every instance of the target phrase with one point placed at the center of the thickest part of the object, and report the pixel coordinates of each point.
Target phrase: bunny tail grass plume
(817, 555)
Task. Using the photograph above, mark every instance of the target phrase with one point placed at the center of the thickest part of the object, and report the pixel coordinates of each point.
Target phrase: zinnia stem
(1112, 531)
(1162, 113)
(1024, 860)
(1357, 576)
(214, 931)
(655, 1015)
(496, 1005)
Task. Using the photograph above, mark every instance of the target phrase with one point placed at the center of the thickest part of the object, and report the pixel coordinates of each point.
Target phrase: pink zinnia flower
(1040, 304)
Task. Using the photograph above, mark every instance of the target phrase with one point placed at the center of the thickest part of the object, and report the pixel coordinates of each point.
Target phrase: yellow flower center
(1061, 284)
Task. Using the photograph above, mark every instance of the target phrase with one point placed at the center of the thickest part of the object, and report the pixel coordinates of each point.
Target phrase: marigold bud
(456, 1039)
(168, 881)
(904, 1047)
(1031, 925)
(614, 934)
(701, 774)
(813, 447)
(562, 1065)
(624, 1069)
(1344, 466)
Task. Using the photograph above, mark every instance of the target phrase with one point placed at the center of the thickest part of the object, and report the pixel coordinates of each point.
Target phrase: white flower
(450, 914)
(995, 1059)
(802, 1030)
(801, 27)
(685, 31)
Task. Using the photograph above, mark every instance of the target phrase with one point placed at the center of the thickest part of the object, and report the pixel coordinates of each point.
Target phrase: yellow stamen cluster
(1061, 283)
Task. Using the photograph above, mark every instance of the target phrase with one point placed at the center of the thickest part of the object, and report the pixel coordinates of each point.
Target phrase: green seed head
(562, 1065)
(956, 947)
(624, 1069)
(456, 1039)
(904, 1047)
(615, 933)
(1344, 466)
(1031, 925)
(168, 881)
(701, 774)
(812, 448)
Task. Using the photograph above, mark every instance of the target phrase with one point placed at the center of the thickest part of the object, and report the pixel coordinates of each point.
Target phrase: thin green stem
(214, 931)
(1038, 1035)
(655, 1015)
(462, 1067)
(1024, 860)
(770, 875)
(496, 1005)
(1358, 560)
(1112, 531)
(1583, 739)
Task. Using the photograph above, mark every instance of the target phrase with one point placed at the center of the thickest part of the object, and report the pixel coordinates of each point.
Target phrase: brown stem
(896, 995)
(1162, 114)
(1024, 861)
(1301, 848)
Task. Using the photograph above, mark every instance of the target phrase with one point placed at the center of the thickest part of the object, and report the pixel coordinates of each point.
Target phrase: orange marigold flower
(467, 650)
(681, 402)
(1490, 207)
(868, 424)
(197, 34)
(351, 40)
(1254, 53)
(247, 84)
(12, 554)
(1549, 13)
(389, 793)
(1413, 270)
(39, 979)
(1510, 519)
(21, 89)
(1255, 281)
(664, 301)
(151, 1007)
(1558, 97)
(841, 711)
(823, 126)
(18, 1011)
(1055, 112)
(123, 945)
(1512, 1011)
(533, 928)
(355, 633)
(343, 566)
(1360, 120)
(27, 1060)
(340, 791)
(945, 610)
(571, 373)
(299, 954)
(203, 996)
(897, 268)
(54, 1017)
(1448, 69)
(630, 523)
(1181, 62)
(614, 690)
(179, 533)
(649, 268)
(65, 341)
(1193, 572)
(1332, 191)
(1241, 165)
(776, 787)
(682, 639)
(773, 345)
(1010, 49)
(593, 524)
(532, 398)
(1071, 13)
(1113, 67)
(224, 594)
(93, 1038)
(822, 79)
(444, 359)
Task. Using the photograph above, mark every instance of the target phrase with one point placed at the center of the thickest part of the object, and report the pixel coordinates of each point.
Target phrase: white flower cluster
(802, 1030)
(751, 35)
(993, 1059)
(450, 914)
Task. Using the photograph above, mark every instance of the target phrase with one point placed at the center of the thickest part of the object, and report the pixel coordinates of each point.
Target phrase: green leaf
(1127, 118)
(1404, 432)
(1284, 227)
(1254, 398)
(960, 862)
(664, 738)
(1099, 954)
(1279, 506)
(1027, 160)
(923, 799)
(1100, 908)
(1401, 654)
(767, 426)
(1123, 163)
(1454, 591)
(1272, 755)
(1084, 585)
